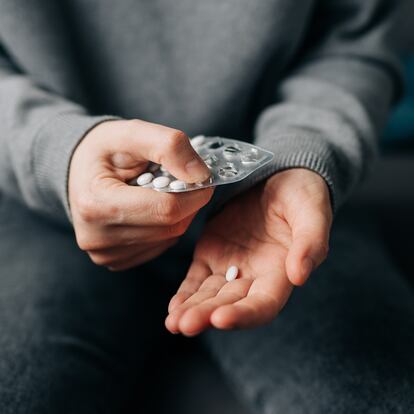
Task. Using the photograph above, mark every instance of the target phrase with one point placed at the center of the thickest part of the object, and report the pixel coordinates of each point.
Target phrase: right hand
(121, 226)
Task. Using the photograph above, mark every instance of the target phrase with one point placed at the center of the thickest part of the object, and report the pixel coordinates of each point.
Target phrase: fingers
(142, 257)
(166, 146)
(242, 303)
(110, 257)
(122, 204)
(197, 273)
(264, 300)
(199, 317)
(208, 289)
(111, 239)
(310, 244)
(248, 312)
(122, 259)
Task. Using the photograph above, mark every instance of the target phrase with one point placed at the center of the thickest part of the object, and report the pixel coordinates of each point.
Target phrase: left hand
(276, 234)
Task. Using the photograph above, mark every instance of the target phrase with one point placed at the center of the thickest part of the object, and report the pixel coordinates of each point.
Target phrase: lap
(343, 343)
(72, 336)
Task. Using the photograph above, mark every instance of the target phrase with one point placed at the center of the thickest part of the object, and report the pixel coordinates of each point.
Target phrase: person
(92, 91)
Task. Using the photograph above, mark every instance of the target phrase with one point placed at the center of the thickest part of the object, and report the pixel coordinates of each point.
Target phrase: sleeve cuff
(306, 149)
(293, 149)
(53, 148)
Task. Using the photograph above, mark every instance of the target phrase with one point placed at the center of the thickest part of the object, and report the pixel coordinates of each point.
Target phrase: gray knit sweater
(311, 80)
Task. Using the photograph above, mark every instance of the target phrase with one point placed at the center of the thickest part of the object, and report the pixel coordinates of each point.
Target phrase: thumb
(169, 147)
(310, 241)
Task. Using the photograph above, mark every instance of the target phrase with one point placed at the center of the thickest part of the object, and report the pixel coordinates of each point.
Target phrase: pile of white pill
(229, 161)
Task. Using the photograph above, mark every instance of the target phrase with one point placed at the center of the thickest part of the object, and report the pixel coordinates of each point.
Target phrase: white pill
(161, 182)
(178, 185)
(163, 169)
(232, 273)
(145, 178)
(198, 140)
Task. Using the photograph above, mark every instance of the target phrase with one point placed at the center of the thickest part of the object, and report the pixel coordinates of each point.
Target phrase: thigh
(343, 344)
(73, 336)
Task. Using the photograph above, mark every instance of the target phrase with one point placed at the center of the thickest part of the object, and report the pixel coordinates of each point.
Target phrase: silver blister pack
(229, 161)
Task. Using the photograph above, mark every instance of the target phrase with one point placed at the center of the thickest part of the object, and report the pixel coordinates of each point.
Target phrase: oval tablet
(232, 273)
(145, 178)
(198, 140)
(161, 182)
(178, 185)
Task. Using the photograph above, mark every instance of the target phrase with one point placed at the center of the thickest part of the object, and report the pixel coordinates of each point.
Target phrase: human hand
(276, 234)
(121, 226)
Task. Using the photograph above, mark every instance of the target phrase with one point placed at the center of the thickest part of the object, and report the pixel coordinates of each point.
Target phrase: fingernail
(197, 170)
(307, 266)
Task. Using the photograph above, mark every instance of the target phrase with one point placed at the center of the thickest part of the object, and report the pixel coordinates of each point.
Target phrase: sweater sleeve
(329, 109)
(39, 131)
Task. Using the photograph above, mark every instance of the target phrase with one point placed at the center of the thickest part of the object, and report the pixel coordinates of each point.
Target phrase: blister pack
(229, 161)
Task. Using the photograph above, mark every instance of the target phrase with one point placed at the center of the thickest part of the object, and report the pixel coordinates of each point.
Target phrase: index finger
(266, 297)
(134, 206)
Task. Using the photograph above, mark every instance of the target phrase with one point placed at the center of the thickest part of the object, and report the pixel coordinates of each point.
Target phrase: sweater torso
(198, 66)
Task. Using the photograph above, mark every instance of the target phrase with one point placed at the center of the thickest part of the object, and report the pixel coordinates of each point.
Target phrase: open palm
(253, 233)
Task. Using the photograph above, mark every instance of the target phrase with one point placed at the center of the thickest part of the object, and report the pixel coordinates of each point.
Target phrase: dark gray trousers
(74, 337)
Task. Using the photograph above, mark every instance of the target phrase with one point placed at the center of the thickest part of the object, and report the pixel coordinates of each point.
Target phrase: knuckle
(175, 140)
(171, 243)
(86, 208)
(92, 210)
(323, 249)
(207, 194)
(116, 269)
(131, 126)
(112, 212)
(177, 230)
(88, 243)
(168, 211)
(83, 241)
(100, 259)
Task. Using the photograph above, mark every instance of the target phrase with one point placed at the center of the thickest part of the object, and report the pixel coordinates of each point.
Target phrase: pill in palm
(178, 185)
(161, 182)
(232, 273)
(145, 178)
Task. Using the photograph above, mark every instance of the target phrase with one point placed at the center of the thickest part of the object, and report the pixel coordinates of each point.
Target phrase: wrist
(297, 187)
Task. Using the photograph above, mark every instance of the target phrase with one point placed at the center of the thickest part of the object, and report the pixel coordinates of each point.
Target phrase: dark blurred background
(387, 196)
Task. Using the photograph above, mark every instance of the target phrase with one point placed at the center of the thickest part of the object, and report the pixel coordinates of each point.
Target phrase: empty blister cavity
(215, 144)
(250, 157)
(228, 171)
(231, 152)
(205, 183)
(211, 160)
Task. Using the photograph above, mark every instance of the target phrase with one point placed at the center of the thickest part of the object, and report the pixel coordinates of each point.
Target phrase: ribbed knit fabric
(312, 82)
